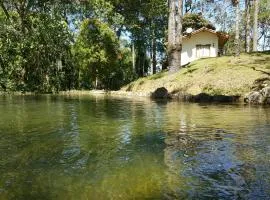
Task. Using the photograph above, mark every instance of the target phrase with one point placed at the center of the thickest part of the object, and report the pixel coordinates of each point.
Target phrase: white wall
(201, 38)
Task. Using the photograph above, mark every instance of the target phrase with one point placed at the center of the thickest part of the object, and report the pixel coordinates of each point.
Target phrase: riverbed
(100, 147)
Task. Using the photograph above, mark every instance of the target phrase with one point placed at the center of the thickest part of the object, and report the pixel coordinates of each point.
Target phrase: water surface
(81, 147)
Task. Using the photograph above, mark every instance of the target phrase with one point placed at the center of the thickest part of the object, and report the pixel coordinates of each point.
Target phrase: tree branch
(4, 9)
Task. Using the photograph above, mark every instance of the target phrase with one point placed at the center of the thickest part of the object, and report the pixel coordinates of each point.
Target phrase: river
(97, 147)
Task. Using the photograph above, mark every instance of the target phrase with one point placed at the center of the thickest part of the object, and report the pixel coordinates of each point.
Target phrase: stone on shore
(258, 97)
(161, 93)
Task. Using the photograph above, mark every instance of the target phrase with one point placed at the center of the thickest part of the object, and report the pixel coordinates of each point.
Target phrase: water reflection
(216, 163)
(82, 147)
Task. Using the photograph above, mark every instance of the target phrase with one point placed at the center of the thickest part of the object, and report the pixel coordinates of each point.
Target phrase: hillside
(228, 75)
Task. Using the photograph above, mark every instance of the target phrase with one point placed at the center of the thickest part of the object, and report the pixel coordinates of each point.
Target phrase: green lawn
(226, 75)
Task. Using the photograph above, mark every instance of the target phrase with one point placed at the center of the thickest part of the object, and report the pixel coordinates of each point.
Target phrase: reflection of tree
(30, 159)
(71, 154)
(178, 146)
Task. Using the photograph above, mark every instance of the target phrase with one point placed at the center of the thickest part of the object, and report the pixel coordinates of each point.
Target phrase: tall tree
(145, 21)
(175, 35)
(237, 17)
(264, 24)
(255, 25)
(247, 28)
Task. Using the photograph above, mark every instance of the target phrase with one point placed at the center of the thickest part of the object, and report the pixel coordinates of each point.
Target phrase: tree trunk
(21, 8)
(247, 31)
(133, 58)
(237, 42)
(174, 38)
(143, 63)
(264, 38)
(172, 58)
(172, 23)
(179, 29)
(154, 53)
(96, 83)
(255, 25)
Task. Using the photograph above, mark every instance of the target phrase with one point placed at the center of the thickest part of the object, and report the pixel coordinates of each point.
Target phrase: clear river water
(83, 147)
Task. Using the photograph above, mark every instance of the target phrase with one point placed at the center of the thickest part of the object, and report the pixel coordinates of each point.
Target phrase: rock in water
(266, 93)
(160, 93)
(258, 97)
(254, 98)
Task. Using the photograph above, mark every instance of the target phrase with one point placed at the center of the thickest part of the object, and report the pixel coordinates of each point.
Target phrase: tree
(146, 22)
(102, 64)
(36, 45)
(255, 25)
(195, 21)
(35, 51)
(96, 52)
(175, 35)
(247, 27)
(264, 24)
(237, 17)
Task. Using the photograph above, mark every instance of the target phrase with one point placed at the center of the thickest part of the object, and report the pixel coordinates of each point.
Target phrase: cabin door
(203, 51)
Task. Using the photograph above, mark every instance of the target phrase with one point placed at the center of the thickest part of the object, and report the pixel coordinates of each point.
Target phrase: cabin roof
(222, 37)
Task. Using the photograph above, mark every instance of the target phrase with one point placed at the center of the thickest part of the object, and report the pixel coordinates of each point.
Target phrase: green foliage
(100, 60)
(264, 14)
(147, 22)
(264, 23)
(195, 21)
(47, 54)
(40, 53)
(35, 53)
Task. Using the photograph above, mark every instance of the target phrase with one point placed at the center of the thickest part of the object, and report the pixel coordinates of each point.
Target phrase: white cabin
(202, 43)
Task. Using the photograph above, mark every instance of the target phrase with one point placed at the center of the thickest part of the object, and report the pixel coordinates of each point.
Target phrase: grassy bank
(228, 75)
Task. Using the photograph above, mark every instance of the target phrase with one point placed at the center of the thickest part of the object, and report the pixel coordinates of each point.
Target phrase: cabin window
(203, 50)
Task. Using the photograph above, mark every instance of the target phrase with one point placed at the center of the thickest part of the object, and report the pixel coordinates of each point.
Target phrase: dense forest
(53, 45)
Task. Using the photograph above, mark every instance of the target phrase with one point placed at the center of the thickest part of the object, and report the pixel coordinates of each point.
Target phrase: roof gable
(203, 29)
(222, 37)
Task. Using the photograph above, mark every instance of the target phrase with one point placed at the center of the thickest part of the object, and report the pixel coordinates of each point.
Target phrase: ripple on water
(104, 148)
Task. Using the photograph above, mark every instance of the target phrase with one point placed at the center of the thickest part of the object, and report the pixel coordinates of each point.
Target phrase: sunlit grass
(227, 75)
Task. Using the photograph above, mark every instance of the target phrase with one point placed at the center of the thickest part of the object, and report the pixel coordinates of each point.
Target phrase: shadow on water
(56, 147)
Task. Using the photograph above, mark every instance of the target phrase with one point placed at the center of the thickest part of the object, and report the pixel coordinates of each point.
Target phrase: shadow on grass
(157, 76)
(130, 87)
(262, 71)
(262, 61)
(259, 53)
(189, 71)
